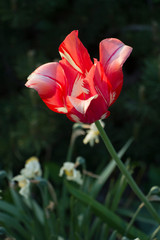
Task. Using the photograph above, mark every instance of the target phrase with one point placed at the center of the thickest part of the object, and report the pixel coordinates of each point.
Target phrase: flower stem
(125, 172)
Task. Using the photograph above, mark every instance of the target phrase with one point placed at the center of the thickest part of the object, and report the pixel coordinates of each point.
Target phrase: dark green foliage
(31, 32)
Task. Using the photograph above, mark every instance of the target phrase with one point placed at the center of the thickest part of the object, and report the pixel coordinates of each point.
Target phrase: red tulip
(77, 87)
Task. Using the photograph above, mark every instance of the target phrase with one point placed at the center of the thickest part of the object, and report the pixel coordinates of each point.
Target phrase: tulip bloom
(76, 86)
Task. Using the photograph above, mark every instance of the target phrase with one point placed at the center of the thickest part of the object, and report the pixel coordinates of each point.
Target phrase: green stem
(125, 172)
(134, 217)
(155, 233)
(71, 148)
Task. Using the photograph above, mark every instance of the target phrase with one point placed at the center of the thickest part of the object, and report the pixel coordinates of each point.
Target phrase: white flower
(71, 173)
(24, 185)
(32, 168)
(92, 134)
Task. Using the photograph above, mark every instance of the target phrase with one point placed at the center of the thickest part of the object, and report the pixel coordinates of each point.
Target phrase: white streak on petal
(81, 105)
(35, 76)
(104, 116)
(70, 60)
(86, 72)
(75, 118)
(85, 90)
(62, 109)
(100, 93)
(112, 97)
(121, 54)
(44, 85)
(78, 87)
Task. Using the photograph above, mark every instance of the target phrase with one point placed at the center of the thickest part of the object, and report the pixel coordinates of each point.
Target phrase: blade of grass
(13, 225)
(113, 236)
(16, 198)
(96, 224)
(121, 186)
(104, 232)
(140, 217)
(14, 211)
(108, 170)
(113, 220)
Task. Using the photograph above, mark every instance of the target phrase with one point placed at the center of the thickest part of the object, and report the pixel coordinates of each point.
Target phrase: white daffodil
(92, 134)
(24, 185)
(32, 168)
(71, 173)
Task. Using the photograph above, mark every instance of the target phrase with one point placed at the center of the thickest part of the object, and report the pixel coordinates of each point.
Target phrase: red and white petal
(87, 111)
(111, 50)
(98, 82)
(42, 84)
(49, 81)
(53, 71)
(74, 85)
(75, 53)
(97, 110)
(113, 53)
(56, 103)
(81, 105)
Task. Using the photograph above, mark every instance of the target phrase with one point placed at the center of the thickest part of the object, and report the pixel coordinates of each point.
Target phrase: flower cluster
(78, 87)
(31, 170)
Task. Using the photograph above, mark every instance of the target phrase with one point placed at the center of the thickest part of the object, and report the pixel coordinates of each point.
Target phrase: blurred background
(30, 34)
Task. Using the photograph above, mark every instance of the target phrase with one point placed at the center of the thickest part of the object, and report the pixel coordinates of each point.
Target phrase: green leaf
(95, 225)
(17, 199)
(109, 169)
(14, 212)
(113, 236)
(120, 188)
(104, 232)
(12, 224)
(113, 220)
(8, 208)
(37, 210)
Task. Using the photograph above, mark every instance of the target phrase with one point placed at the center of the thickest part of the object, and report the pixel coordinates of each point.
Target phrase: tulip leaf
(109, 169)
(113, 220)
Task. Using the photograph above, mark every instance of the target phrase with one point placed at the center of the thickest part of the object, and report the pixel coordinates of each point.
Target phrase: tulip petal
(42, 84)
(112, 49)
(75, 80)
(113, 53)
(49, 81)
(81, 105)
(87, 111)
(75, 53)
(97, 82)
